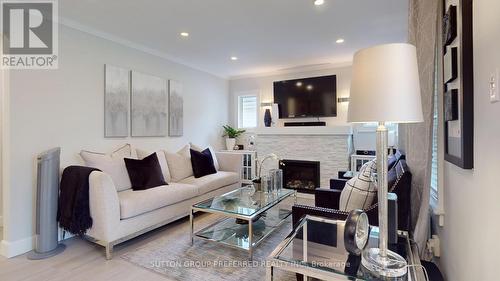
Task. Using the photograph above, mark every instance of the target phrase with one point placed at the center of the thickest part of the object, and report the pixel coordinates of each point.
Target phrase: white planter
(230, 143)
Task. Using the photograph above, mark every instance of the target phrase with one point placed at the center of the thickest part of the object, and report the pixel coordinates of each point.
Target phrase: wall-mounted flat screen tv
(306, 97)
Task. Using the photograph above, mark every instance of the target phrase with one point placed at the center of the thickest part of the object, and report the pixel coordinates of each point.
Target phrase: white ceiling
(266, 35)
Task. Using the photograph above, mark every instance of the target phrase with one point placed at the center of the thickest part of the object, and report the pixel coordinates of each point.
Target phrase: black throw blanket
(73, 212)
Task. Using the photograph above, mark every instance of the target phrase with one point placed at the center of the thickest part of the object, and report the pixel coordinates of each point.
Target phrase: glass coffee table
(315, 248)
(249, 216)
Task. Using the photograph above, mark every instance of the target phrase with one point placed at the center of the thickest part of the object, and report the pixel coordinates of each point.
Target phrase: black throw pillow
(203, 163)
(145, 173)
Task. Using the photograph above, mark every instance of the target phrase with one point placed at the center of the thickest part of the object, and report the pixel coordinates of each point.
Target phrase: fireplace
(300, 175)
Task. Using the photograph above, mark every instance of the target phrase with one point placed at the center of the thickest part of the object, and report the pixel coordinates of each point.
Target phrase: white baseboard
(11, 249)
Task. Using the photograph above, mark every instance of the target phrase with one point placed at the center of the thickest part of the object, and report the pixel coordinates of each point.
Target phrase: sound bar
(304, 124)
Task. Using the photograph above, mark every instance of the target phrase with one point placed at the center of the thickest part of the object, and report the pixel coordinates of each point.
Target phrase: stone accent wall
(332, 151)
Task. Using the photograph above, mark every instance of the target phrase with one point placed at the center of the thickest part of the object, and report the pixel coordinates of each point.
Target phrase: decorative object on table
(251, 143)
(450, 65)
(240, 147)
(449, 25)
(459, 133)
(116, 101)
(276, 179)
(356, 232)
(175, 109)
(397, 80)
(257, 182)
(47, 194)
(267, 118)
(266, 183)
(451, 105)
(149, 105)
(231, 134)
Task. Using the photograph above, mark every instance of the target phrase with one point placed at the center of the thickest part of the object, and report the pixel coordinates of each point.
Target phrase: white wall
(64, 108)
(470, 247)
(264, 85)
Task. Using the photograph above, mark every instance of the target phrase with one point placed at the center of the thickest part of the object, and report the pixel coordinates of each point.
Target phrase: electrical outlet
(493, 87)
(433, 246)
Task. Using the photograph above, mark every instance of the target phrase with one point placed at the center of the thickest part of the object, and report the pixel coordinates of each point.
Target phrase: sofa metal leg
(109, 251)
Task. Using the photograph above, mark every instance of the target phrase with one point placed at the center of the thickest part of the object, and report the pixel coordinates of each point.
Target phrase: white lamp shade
(385, 85)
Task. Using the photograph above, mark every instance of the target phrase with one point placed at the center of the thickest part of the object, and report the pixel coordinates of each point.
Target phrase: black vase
(267, 118)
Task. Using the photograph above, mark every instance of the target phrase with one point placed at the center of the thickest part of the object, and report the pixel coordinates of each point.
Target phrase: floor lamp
(385, 88)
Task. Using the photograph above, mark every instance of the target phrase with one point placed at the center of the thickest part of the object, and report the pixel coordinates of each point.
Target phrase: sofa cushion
(179, 164)
(145, 173)
(202, 162)
(134, 203)
(111, 164)
(212, 151)
(213, 181)
(141, 154)
(359, 191)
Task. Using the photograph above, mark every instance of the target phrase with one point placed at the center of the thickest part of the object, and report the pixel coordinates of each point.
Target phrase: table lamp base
(392, 266)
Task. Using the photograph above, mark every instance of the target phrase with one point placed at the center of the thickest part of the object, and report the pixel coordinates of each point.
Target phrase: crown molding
(293, 69)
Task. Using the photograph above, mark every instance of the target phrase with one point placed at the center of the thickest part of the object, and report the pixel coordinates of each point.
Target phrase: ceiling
(265, 35)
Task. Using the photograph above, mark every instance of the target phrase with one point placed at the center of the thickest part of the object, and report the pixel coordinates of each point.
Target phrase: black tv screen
(307, 97)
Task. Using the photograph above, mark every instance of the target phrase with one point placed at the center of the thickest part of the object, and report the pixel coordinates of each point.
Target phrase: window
(435, 201)
(247, 111)
(435, 156)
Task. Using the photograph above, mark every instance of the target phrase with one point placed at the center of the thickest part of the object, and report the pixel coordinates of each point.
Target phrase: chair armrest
(230, 162)
(327, 198)
(299, 211)
(104, 206)
(337, 184)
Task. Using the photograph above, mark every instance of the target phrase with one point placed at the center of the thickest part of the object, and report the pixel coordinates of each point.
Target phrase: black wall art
(458, 79)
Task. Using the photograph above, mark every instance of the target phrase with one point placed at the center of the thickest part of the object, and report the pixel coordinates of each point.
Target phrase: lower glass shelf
(229, 232)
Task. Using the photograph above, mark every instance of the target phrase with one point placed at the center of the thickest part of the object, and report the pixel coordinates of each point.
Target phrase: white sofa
(121, 215)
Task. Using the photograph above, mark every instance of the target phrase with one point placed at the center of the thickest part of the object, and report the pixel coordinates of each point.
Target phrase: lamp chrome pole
(382, 186)
(381, 261)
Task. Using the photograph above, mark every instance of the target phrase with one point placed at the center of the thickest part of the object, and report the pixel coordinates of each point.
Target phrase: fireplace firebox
(300, 175)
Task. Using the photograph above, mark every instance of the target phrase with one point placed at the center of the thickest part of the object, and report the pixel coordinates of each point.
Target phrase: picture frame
(450, 25)
(176, 109)
(451, 105)
(116, 101)
(149, 105)
(450, 65)
(459, 131)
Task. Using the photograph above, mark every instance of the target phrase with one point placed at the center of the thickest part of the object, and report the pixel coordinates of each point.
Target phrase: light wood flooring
(85, 261)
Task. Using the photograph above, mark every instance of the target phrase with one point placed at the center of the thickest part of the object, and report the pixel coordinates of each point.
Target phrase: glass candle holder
(266, 183)
(276, 180)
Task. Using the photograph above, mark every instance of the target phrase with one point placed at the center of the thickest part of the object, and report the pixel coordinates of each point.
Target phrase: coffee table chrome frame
(227, 215)
(415, 273)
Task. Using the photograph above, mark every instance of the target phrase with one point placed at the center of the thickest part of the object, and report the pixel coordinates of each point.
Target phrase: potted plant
(231, 134)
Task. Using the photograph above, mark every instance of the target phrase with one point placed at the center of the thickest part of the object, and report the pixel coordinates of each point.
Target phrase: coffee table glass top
(244, 201)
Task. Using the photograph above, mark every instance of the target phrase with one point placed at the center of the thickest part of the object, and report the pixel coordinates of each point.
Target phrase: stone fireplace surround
(331, 146)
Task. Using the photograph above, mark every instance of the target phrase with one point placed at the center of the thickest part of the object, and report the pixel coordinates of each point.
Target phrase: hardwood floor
(85, 261)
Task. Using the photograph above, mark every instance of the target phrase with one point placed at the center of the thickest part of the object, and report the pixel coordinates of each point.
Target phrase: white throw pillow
(359, 191)
(111, 164)
(179, 164)
(212, 151)
(141, 154)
